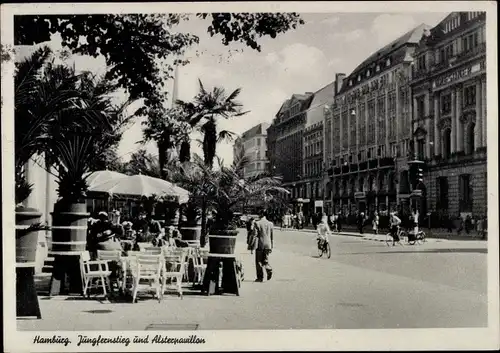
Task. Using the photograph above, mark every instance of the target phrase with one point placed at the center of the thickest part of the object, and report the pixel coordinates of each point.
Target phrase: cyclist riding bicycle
(395, 223)
(323, 231)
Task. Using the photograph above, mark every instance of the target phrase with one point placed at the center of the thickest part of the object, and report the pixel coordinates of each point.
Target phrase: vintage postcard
(201, 176)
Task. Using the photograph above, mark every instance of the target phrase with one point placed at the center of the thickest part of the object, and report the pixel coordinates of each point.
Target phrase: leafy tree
(145, 38)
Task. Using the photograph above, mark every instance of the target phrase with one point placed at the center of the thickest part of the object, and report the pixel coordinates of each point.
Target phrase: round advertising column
(69, 239)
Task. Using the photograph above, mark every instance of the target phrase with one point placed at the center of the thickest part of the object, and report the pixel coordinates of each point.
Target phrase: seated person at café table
(96, 228)
(165, 238)
(177, 238)
(107, 241)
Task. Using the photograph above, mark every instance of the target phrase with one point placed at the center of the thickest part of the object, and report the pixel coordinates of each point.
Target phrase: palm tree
(224, 189)
(204, 112)
(168, 128)
(42, 93)
(81, 134)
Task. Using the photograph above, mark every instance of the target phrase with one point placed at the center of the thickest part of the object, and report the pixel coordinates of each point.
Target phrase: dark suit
(264, 233)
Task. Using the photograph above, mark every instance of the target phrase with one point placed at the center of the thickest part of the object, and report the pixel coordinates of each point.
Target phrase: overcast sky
(301, 60)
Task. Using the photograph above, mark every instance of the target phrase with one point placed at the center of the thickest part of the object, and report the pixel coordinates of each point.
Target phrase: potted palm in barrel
(226, 190)
(77, 142)
(30, 121)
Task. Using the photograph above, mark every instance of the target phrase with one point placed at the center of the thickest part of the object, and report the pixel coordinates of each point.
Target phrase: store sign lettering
(457, 75)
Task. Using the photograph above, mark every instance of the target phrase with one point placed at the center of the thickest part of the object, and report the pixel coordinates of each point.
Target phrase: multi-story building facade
(285, 143)
(313, 168)
(449, 114)
(252, 144)
(369, 134)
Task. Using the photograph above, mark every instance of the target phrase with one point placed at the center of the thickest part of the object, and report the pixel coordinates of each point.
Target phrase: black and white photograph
(249, 176)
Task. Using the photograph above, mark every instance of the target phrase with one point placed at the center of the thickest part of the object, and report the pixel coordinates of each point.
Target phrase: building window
(472, 15)
(381, 151)
(350, 158)
(421, 65)
(470, 139)
(421, 149)
(442, 201)
(360, 156)
(446, 143)
(446, 104)
(377, 68)
(388, 62)
(465, 193)
(469, 98)
(258, 141)
(394, 149)
(421, 107)
(368, 73)
(361, 184)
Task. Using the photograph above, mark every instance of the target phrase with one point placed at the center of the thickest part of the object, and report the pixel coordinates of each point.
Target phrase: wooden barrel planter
(222, 241)
(26, 241)
(69, 239)
(191, 234)
(26, 246)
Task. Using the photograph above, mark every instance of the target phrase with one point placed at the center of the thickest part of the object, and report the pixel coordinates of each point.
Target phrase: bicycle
(419, 238)
(324, 248)
(402, 234)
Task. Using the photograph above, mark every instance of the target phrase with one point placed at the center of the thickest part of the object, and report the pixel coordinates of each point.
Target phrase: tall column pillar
(376, 117)
(415, 107)
(366, 120)
(341, 131)
(484, 115)
(348, 127)
(398, 113)
(459, 125)
(358, 119)
(436, 129)
(427, 103)
(387, 149)
(478, 130)
(453, 122)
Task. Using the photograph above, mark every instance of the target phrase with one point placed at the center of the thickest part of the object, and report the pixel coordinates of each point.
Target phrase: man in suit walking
(264, 232)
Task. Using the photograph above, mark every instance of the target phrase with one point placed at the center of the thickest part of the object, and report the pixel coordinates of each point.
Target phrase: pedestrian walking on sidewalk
(375, 222)
(265, 244)
(361, 222)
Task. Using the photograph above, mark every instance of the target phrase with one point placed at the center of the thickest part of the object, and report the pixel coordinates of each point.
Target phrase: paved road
(365, 284)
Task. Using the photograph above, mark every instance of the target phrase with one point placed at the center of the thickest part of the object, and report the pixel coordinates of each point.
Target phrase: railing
(363, 165)
(373, 163)
(386, 161)
(459, 157)
(353, 167)
(480, 49)
(422, 73)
